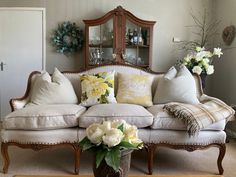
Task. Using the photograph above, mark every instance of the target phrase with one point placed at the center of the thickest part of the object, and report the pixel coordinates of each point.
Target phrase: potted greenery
(112, 143)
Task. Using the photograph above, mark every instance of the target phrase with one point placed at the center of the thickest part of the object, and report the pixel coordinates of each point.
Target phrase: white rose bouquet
(199, 61)
(108, 139)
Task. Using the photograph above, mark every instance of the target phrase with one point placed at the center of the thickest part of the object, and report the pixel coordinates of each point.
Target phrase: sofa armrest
(19, 103)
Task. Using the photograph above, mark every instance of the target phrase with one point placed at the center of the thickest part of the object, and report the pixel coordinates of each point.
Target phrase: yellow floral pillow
(135, 89)
(97, 88)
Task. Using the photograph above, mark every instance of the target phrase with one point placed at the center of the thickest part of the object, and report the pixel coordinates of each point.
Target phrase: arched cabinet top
(118, 37)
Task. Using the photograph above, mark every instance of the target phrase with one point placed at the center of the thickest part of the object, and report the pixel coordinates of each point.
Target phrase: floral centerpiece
(109, 139)
(200, 61)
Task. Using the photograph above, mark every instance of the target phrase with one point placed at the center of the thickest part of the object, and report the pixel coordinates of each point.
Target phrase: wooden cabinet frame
(119, 16)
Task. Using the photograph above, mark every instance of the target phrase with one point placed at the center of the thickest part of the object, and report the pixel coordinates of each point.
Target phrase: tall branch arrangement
(204, 29)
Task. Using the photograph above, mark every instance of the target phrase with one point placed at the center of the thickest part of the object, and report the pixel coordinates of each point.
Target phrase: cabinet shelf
(110, 36)
(135, 46)
(101, 45)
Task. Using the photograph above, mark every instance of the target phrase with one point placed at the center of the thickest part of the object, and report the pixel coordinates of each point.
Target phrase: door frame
(43, 10)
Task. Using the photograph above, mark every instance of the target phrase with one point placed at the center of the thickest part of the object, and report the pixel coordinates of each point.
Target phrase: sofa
(156, 127)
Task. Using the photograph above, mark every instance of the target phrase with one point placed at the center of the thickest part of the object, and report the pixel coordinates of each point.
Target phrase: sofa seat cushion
(132, 114)
(162, 120)
(43, 117)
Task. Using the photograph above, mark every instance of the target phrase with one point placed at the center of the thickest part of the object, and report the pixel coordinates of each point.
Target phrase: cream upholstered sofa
(156, 127)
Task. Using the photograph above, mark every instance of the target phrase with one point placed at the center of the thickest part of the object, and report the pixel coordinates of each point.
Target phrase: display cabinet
(118, 37)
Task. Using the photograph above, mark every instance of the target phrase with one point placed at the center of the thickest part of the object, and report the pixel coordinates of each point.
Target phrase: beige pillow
(176, 86)
(52, 90)
(135, 89)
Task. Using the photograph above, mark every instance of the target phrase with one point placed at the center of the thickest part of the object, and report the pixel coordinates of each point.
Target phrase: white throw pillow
(52, 90)
(176, 86)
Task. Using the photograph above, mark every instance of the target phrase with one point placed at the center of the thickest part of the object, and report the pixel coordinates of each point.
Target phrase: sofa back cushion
(74, 77)
(52, 90)
(176, 86)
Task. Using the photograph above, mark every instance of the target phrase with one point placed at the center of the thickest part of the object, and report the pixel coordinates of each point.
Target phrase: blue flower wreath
(68, 38)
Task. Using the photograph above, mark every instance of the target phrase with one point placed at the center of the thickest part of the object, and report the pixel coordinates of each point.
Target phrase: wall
(171, 16)
(223, 82)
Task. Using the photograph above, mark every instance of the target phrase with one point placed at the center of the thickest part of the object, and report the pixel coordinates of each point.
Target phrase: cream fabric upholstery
(176, 86)
(75, 80)
(175, 137)
(55, 89)
(182, 137)
(42, 117)
(67, 135)
(132, 114)
(162, 120)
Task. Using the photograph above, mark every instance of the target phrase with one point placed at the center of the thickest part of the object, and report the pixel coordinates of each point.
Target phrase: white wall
(223, 82)
(172, 17)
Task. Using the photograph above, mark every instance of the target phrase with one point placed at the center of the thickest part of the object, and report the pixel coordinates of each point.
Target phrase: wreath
(68, 38)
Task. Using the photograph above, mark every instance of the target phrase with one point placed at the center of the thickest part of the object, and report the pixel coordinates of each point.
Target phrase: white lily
(217, 51)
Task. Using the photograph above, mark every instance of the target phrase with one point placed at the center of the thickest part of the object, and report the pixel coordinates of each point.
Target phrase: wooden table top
(129, 176)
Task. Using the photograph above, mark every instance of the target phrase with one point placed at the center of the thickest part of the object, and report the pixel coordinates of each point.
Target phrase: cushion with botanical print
(97, 88)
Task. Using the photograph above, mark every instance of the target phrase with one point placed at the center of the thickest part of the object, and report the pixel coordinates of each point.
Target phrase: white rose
(187, 58)
(106, 125)
(205, 63)
(113, 137)
(131, 135)
(217, 51)
(197, 70)
(200, 56)
(117, 123)
(131, 132)
(208, 54)
(210, 69)
(95, 133)
(199, 49)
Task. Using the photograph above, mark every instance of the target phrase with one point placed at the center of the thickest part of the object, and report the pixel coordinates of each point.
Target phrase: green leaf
(112, 158)
(127, 145)
(100, 156)
(86, 144)
(121, 127)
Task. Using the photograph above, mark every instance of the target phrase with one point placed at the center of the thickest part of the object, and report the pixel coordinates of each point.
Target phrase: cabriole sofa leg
(151, 148)
(5, 155)
(222, 150)
(77, 151)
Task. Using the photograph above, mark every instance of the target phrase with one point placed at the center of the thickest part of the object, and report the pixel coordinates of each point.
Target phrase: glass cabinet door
(101, 43)
(118, 37)
(137, 44)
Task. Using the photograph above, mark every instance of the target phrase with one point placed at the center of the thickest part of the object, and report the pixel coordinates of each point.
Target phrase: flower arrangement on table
(200, 61)
(108, 139)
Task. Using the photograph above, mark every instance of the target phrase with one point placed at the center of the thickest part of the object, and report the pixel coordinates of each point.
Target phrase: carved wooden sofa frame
(150, 147)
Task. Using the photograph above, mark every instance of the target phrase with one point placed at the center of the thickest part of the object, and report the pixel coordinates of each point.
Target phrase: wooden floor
(129, 176)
